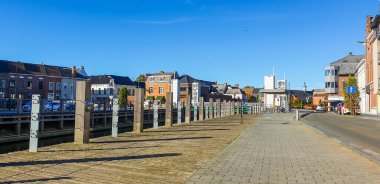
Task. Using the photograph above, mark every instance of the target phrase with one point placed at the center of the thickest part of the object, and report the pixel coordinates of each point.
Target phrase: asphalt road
(362, 132)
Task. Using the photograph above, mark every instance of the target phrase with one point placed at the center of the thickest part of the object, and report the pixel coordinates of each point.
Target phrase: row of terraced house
(19, 80)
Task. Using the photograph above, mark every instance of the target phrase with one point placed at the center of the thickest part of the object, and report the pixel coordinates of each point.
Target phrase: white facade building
(360, 77)
(269, 83)
(104, 86)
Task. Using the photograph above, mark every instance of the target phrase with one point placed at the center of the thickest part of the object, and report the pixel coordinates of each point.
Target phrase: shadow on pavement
(82, 160)
(151, 140)
(105, 149)
(37, 180)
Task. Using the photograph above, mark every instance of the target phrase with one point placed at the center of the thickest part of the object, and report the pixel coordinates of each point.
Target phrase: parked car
(27, 107)
(49, 106)
(69, 106)
(342, 110)
(52, 106)
(321, 108)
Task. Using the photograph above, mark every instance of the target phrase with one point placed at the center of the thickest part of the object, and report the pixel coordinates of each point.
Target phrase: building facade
(194, 87)
(319, 96)
(372, 44)
(336, 76)
(105, 86)
(157, 85)
(361, 79)
(22, 80)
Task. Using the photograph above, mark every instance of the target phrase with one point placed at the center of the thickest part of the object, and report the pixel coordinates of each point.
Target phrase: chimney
(236, 85)
(73, 71)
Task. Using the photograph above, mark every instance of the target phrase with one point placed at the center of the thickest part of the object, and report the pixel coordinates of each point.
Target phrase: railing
(59, 119)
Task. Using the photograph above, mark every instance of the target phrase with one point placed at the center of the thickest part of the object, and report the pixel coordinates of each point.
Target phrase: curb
(366, 153)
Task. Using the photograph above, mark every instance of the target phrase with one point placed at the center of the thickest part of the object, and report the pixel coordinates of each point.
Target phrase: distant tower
(304, 87)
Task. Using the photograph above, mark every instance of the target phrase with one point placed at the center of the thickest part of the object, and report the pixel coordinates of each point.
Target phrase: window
(57, 96)
(3, 84)
(51, 86)
(337, 85)
(161, 90)
(40, 85)
(12, 95)
(50, 96)
(162, 78)
(111, 91)
(64, 86)
(99, 91)
(2, 94)
(327, 72)
(328, 84)
(58, 86)
(104, 91)
(12, 83)
(183, 89)
(21, 77)
(30, 85)
(150, 90)
(93, 91)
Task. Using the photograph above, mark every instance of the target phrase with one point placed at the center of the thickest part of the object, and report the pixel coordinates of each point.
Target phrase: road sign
(351, 89)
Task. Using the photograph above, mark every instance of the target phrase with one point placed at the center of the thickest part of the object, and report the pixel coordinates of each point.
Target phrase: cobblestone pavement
(280, 150)
(165, 155)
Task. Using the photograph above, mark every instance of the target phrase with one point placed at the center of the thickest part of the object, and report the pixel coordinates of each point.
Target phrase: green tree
(141, 78)
(352, 101)
(123, 97)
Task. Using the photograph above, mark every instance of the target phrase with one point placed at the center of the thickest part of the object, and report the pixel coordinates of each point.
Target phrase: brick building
(336, 76)
(22, 80)
(187, 84)
(372, 64)
(158, 84)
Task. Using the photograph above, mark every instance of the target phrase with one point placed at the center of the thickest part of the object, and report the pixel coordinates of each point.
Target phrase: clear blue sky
(234, 41)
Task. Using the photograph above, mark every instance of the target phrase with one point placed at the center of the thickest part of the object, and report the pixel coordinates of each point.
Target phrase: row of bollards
(84, 107)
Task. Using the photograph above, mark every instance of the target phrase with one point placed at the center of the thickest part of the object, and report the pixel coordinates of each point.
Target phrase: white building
(360, 77)
(269, 83)
(104, 86)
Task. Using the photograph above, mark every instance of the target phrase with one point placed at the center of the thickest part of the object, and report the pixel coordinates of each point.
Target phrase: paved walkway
(166, 155)
(279, 150)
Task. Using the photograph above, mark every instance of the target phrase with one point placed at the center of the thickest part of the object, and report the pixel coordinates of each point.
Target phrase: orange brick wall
(156, 91)
(369, 63)
(342, 79)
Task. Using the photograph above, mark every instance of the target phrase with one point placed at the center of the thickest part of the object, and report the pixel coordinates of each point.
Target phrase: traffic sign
(351, 89)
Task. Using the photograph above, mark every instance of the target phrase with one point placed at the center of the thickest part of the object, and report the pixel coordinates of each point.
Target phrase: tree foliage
(123, 97)
(352, 101)
(295, 102)
(141, 78)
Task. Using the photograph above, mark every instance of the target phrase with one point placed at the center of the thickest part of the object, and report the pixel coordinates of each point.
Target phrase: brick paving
(165, 155)
(279, 150)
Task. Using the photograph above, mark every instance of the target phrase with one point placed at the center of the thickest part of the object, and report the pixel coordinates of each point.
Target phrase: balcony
(331, 78)
(332, 90)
